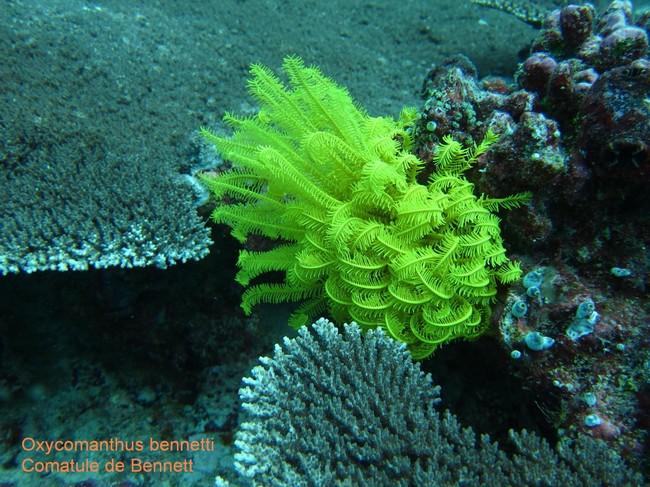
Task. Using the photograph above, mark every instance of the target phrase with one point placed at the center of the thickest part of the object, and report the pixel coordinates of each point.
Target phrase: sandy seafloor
(113, 354)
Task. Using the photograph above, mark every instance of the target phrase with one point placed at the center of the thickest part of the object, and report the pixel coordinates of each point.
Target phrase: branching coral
(363, 239)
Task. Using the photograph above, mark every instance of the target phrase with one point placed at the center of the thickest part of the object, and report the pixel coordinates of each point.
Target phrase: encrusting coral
(359, 236)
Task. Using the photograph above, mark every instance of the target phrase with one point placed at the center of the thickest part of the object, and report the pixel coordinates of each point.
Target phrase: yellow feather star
(364, 240)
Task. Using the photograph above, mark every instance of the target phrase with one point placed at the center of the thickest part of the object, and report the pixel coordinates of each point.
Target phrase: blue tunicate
(533, 279)
(535, 293)
(431, 126)
(515, 354)
(582, 327)
(589, 398)
(519, 309)
(585, 309)
(578, 329)
(538, 342)
(620, 272)
(592, 420)
(585, 320)
(593, 318)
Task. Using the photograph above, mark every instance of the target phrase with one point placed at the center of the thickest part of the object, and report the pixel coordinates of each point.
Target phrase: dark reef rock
(577, 118)
(615, 123)
(575, 131)
(576, 23)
